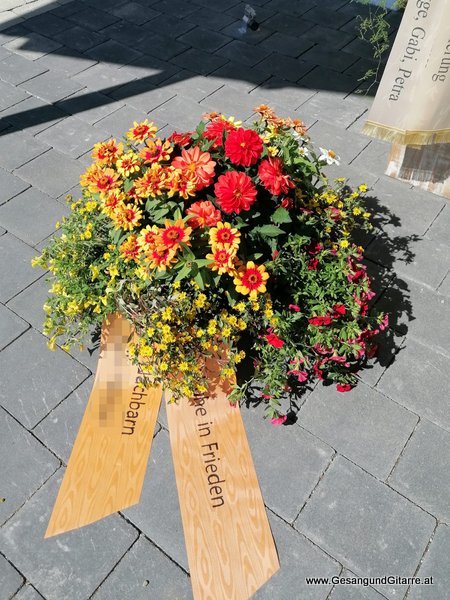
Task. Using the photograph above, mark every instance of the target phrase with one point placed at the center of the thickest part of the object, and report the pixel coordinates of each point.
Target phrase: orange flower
(106, 153)
(177, 183)
(128, 163)
(112, 200)
(251, 279)
(222, 261)
(161, 258)
(148, 237)
(156, 151)
(198, 164)
(100, 180)
(224, 236)
(127, 217)
(174, 234)
(140, 131)
(151, 183)
(204, 214)
(130, 249)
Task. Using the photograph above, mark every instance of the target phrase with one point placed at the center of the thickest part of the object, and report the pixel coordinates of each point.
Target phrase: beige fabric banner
(412, 105)
(229, 543)
(108, 462)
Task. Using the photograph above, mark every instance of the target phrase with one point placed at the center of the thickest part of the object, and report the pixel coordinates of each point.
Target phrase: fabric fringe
(406, 137)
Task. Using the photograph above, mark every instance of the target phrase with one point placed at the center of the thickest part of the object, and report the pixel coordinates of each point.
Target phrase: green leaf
(199, 280)
(202, 262)
(281, 215)
(127, 185)
(268, 231)
(184, 272)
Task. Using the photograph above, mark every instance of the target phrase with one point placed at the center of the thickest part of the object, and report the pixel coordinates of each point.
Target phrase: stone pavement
(359, 485)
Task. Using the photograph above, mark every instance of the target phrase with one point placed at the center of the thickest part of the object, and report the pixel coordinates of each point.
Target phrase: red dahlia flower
(214, 131)
(235, 192)
(273, 177)
(243, 147)
(203, 214)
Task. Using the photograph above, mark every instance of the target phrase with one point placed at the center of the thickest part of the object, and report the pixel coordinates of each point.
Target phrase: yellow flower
(357, 211)
(113, 271)
(362, 188)
(366, 215)
(240, 306)
(200, 301)
(226, 331)
(150, 332)
(183, 366)
(343, 243)
(145, 351)
(273, 150)
(163, 366)
(95, 272)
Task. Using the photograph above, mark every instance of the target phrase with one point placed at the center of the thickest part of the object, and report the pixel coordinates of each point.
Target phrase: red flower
(343, 387)
(203, 214)
(385, 322)
(273, 178)
(243, 147)
(314, 248)
(279, 420)
(294, 307)
(182, 139)
(235, 192)
(301, 375)
(339, 310)
(214, 131)
(287, 203)
(313, 263)
(274, 340)
(275, 254)
(318, 321)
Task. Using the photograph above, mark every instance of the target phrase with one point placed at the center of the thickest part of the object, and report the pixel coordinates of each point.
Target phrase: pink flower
(301, 375)
(274, 340)
(294, 307)
(279, 420)
(312, 264)
(385, 322)
(343, 387)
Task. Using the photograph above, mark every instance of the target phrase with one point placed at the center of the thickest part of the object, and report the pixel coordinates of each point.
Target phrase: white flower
(304, 152)
(329, 156)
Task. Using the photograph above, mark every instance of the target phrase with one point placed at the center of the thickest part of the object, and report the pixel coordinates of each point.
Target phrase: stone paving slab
(362, 425)
(370, 528)
(351, 592)
(71, 565)
(27, 465)
(52, 172)
(10, 579)
(11, 326)
(435, 564)
(28, 592)
(419, 476)
(16, 271)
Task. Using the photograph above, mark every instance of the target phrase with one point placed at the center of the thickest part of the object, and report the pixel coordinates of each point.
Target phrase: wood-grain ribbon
(107, 466)
(229, 543)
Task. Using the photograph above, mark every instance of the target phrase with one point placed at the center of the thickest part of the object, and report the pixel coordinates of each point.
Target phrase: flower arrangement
(227, 241)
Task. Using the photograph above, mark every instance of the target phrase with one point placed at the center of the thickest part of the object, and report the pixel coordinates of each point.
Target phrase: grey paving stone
(352, 592)
(52, 172)
(345, 143)
(10, 186)
(162, 46)
(33, 115)
(288, 45)
(175, 7)
(323, 78)
(331, 107)
(162, 523)
(120, 121)
(90, 106)
(31, 216)
(422, 478)
(199, 61)
(51, 86)
(285, 67)
(46, 24)
(103, 78)
(16, 69)
(283, 96)
(212, 18)
(336, 38)
(444, 287)
(28, 304)
(244, 53)
(11, 326)
(134, 12)
(155, 71)
(10, 95)
(28, 592)
(69, 62)
(46, 378)
(365, 525)
(17, 148)
(145, 572)
(404, 381)
(59, 429)
(239, 77)
(362, 425)
(294, 25)
(298, 559)
(389, 345)
(426, 261)
(73, 137)
(275, 475)
(205, 39)
(168, 26)
(94, 19)
(113, 53)
(441, 225)
(16, 271)
(226, 101)
(334, 19)
(32, 46)
(26, 464)
(418, 311)
(142, 95)
(182, 113)
(192, 86)
(435, 565)
(239, 31)
(79, 38)
(70, 565)
(10, 578)
(374, 159)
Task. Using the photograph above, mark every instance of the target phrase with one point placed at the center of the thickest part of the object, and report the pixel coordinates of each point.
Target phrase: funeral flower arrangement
(226, 241)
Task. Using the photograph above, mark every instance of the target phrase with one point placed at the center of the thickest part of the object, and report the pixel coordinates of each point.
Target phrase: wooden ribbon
(107, 466)
(229, 543)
